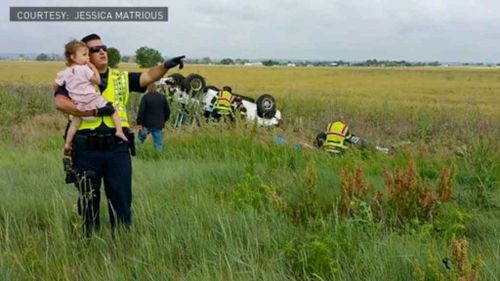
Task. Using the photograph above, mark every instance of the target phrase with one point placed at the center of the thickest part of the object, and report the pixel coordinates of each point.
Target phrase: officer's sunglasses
(96, 49)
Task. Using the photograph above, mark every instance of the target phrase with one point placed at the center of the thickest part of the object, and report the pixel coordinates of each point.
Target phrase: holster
(95, 141)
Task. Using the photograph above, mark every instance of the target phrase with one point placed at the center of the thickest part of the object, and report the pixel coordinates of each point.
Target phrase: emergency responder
(95, 150)
(223, 107)
(335, 137)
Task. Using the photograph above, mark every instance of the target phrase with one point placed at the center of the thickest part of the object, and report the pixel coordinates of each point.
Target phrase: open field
(230, 204)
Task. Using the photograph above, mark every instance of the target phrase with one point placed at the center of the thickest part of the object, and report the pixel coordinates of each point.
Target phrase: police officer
(96, 151)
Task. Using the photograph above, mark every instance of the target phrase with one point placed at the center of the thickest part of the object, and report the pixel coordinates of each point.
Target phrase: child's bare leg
(73, 128)
(119, 130)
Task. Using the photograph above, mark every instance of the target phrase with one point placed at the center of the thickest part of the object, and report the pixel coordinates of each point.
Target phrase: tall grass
(228, 203)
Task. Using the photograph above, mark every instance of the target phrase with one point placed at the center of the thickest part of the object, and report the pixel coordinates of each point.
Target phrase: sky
(351, 30)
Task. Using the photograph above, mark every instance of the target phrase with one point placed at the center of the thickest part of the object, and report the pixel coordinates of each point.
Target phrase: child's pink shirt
(82, 91)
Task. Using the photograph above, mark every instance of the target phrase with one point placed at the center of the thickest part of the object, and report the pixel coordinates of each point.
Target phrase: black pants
(114, 166)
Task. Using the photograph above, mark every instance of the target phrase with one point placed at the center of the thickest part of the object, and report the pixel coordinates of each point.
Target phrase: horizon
(32, 56)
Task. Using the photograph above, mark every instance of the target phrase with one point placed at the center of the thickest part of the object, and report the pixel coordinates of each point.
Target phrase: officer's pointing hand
(173, 62)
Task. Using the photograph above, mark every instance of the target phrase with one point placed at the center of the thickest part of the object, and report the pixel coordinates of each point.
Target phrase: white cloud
(447, 30)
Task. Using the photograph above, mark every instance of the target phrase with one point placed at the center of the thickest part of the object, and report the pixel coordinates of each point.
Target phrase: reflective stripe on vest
(336, 134)
(118, 94)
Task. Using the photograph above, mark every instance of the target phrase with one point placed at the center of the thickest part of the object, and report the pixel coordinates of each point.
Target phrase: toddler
(80, 79)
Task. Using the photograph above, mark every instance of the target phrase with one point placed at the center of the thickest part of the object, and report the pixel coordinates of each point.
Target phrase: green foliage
(424, 124)
(407, 203)
(147, 57)
(479, 161)
(458, 266)
(21, 101)
(311, 187)
(452, 222)
(226, 61)
(226, 203)
(270, 63)
(249, 192)
(312, 257)
(305, 207)
(114, 57)
(409, 198)
(42, 57)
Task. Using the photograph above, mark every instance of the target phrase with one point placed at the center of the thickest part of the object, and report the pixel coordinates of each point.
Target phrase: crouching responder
(223, 107)
(335, 137)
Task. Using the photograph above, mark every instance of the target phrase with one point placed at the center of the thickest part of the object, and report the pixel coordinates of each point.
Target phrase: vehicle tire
(194, 83)
(179, 80)
(266, 106)
(244, 97)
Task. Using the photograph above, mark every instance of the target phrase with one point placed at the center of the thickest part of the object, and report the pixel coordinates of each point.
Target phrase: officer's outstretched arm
(64, 104)
(155, 73)
(152, 75)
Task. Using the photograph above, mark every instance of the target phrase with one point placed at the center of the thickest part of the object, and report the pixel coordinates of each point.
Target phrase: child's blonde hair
(70, 49)
(152, 88)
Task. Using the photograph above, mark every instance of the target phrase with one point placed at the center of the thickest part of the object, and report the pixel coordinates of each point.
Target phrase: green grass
(205, 208)
(188, 225)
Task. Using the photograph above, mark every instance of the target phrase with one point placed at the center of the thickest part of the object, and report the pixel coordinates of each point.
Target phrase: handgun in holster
(69, 171)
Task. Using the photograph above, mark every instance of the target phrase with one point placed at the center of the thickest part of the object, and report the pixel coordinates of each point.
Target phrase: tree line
(147, 57)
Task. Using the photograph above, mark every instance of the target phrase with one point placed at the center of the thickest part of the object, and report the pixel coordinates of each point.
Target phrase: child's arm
(96, 78)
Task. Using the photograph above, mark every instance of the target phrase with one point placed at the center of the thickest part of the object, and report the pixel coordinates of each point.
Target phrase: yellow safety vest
(336, 133)
(224, 101)
(118, 94)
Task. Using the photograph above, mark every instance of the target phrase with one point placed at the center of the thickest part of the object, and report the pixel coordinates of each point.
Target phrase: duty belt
(94, 141)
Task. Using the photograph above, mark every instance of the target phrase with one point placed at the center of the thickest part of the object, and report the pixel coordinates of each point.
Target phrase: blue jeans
(157, 137)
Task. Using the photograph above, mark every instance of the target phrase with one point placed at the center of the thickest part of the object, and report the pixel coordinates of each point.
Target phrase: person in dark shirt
(97, 155)
(153, 113)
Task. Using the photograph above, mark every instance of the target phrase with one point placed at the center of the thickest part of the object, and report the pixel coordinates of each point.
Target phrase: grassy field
(231, 204)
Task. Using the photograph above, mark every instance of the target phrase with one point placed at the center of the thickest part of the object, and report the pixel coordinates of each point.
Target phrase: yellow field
(446, 88)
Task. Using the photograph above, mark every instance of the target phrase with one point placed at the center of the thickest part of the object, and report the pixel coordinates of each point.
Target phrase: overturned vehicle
(192, 93)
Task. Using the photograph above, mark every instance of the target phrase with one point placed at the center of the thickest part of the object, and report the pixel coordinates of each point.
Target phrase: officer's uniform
(96, 149)
(336, 134)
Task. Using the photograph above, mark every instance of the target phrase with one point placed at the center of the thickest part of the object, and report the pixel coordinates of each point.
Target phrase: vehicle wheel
(179, 80)
(266, 106)
(194, 83)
